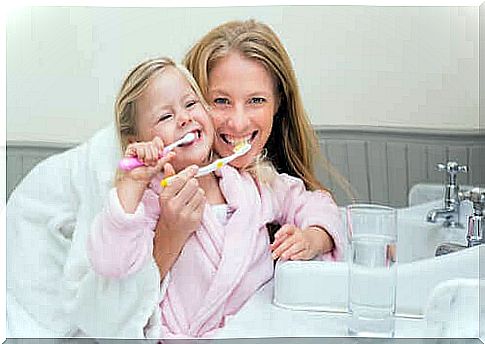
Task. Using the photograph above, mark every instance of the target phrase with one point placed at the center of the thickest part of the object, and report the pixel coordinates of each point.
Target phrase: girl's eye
(190, 104)
(165, 117)
(257, 100)
(221, 101)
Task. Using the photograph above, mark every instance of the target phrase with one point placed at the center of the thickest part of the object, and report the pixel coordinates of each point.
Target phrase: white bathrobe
(51, 289)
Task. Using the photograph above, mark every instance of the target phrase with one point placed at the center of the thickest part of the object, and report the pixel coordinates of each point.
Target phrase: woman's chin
(242, 162)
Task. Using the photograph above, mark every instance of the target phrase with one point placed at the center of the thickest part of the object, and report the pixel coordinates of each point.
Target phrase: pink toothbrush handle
(127, 164)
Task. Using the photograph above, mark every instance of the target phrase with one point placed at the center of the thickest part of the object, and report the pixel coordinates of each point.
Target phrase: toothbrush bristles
(189, 138)
(239, 145)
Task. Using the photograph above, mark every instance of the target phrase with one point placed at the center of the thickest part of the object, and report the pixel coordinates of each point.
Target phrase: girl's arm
(121, 237)
(294, 243)
(306, 210)
(119, 243)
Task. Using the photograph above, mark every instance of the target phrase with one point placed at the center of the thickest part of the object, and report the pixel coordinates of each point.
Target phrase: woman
(273, 120)
(48, 275)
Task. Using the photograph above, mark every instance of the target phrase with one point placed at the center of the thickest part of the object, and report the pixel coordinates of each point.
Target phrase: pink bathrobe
(220, 267)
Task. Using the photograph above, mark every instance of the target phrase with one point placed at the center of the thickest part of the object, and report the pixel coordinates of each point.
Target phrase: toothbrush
(127, 164)
(239, 150)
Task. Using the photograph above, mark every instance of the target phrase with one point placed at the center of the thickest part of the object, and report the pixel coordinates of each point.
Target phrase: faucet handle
(477, 197)
(475, 235)
(452, 167)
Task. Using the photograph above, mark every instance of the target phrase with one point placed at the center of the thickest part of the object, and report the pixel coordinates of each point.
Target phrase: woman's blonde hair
(292, 144)
(132, 88)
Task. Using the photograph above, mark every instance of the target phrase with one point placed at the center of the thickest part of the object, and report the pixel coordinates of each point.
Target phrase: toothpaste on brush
(239, 150)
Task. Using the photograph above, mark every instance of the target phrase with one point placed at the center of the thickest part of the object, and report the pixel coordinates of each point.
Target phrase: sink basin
(419, 239)
(322, 286)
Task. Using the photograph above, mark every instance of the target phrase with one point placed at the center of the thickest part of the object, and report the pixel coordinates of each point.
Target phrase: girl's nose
(184, 118)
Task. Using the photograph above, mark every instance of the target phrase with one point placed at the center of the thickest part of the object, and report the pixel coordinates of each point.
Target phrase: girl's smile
(170, 109)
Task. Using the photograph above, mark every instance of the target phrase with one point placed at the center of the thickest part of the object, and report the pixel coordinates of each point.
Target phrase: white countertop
(260, 318)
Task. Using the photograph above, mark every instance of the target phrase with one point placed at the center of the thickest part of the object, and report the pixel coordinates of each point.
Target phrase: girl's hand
(148, 153)
(132, 184)
(293, 243)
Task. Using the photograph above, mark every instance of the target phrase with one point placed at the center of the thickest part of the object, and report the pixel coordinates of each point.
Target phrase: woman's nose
(239, 119)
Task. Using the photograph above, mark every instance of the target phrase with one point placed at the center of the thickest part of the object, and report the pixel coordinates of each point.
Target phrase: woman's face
(243, 100)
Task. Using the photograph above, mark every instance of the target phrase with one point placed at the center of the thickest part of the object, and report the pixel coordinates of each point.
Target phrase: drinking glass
(372, 231)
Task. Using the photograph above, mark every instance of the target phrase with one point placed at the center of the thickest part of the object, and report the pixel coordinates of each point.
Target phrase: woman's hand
(182, 201)
(293, 243)
(182, 204)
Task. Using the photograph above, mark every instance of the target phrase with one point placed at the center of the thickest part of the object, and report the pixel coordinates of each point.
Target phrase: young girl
(220, 263)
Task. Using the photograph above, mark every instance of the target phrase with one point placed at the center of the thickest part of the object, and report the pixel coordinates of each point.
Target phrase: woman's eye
(221, 101)
(257, 100)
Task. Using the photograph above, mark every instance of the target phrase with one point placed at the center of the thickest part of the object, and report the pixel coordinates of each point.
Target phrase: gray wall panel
(337, 155)
(417, 164)
(378, 178)
(358, 174)
(381, 164)
(397, 173)
(436, 155)
(477, 164)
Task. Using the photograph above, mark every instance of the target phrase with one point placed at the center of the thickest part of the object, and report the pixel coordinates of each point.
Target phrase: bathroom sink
(436, 296)
(322, 286)
(419, 239)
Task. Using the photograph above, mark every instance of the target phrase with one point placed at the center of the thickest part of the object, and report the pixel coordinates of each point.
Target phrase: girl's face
(169, 108)
(243, 100)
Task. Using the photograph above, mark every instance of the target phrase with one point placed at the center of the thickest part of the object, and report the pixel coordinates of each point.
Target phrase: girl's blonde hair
(292, 143)
(132, 88)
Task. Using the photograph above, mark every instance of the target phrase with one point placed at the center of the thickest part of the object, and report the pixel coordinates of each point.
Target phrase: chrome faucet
(474, 235)
(451, 210)
(476, 220)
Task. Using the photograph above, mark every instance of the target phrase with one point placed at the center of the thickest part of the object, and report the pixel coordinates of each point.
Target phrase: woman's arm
(181, 207)
(167, 245)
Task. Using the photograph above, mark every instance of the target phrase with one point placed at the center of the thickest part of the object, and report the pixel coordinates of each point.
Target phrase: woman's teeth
(235, 141)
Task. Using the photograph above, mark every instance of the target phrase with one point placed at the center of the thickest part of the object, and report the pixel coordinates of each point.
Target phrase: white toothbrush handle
(219, 163)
